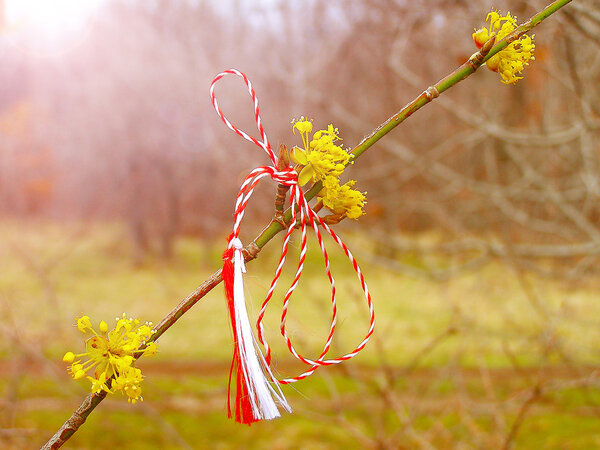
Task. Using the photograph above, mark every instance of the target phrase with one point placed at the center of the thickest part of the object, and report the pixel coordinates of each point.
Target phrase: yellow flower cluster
(510, 61)
(344, 199)
(111, 354)
(322, 160)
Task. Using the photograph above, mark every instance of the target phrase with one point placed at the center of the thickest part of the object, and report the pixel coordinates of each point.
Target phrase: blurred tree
(134, 137)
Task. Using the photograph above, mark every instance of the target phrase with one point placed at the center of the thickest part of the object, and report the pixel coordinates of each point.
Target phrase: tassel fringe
(254, 392)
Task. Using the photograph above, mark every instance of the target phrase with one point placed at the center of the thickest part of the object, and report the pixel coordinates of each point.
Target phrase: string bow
(256, 387)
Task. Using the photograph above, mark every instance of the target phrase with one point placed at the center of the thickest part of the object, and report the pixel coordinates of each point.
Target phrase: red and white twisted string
(302, 212)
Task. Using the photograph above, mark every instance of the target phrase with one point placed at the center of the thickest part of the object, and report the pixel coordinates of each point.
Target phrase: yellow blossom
(111, 355)
(151, 349)
(99, 384)
(321, 157)
(343, 199)
(303, 126)
(509, 62)
(84, 324)
(322, 160)
(129, 382)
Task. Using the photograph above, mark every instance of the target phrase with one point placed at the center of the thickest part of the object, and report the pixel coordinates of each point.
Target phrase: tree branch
(91, 401)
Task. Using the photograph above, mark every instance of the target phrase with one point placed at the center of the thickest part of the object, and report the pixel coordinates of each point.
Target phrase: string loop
(300, 212)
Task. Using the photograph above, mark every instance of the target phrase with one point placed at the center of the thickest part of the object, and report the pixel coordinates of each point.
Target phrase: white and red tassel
(255, 396)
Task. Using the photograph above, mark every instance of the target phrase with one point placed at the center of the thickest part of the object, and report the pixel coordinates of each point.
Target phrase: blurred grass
(52, 273)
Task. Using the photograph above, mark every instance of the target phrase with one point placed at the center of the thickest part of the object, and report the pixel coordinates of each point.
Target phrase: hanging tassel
(254, 395)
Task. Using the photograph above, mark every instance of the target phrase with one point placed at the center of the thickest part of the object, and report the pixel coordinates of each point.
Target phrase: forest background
(481, 240)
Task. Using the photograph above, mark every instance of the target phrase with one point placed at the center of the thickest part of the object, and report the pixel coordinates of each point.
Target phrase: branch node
(282, 163)
(251, 251)
(280, 219)
(431, 92)
(477, 58)
(76, 420)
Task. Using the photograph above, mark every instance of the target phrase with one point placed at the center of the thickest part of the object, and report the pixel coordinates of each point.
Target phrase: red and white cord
(248, 407)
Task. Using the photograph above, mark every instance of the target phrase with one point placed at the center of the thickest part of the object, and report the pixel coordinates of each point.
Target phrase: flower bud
(69, 357)
(493, 63)
(480, 37)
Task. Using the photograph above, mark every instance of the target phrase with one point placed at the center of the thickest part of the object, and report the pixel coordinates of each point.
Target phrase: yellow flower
(129, 382)
(510, 61)
(99, 384)
(343, 199)
(111, 355)
(303, 126)
(151, 349)
(324, 161)
(321, 157)
(84, 324)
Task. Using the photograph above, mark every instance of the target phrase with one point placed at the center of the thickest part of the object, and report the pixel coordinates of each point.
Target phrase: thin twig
(534, 396)
(432, 92)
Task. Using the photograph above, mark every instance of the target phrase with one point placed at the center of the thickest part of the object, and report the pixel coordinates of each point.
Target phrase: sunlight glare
(49, 17)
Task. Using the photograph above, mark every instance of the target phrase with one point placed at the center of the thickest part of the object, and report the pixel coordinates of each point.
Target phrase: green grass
(53, 273)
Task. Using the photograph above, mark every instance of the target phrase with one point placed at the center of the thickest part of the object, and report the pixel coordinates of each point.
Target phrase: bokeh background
(481, 241)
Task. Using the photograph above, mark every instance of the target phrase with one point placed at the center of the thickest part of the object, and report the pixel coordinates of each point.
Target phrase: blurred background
(481, 243)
